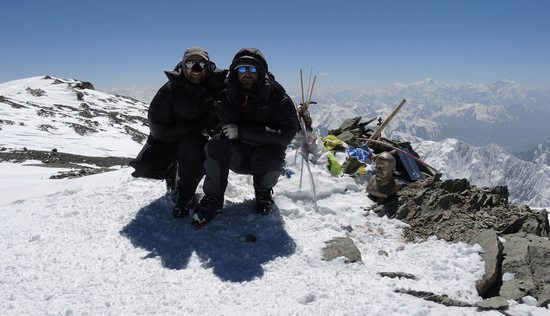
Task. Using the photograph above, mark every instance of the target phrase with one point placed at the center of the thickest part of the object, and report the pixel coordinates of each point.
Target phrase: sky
(372, 44)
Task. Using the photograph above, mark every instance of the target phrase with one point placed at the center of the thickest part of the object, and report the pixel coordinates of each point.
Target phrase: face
(384, 171)
(248, 76)
(196, 69)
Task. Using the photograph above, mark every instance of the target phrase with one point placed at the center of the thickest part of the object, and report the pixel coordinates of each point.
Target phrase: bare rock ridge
(514, 238)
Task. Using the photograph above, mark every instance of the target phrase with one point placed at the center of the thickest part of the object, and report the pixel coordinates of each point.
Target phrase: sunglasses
(243, 69)
(191, 64)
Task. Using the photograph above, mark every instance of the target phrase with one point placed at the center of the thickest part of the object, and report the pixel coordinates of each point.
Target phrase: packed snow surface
(107, 245)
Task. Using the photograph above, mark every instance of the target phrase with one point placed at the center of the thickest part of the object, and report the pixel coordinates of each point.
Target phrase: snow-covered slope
(528, 183)
(67, 113)
(539, 154)
(108, 245)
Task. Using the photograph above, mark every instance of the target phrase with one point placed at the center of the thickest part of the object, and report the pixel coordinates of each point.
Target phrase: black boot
(171, 190)
(183, 205)
(207, 209)
(264, 201)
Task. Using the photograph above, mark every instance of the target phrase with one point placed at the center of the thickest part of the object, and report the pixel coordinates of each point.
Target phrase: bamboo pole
(302, 83)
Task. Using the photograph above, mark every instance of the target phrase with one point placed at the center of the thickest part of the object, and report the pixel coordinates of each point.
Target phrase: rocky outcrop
(516, 249)
(36, 92)
(455, 210)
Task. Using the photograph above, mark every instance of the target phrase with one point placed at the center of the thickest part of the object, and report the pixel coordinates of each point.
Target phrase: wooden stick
(302, 83)
(378, 131)
(311, 92)
(432, 170)
(309, 83)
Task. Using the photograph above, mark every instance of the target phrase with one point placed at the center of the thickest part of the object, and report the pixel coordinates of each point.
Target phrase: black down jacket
(266, 115)
(180, 107)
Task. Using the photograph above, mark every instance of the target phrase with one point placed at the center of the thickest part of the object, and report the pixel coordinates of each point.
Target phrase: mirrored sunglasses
(243, 69)
(191, 64)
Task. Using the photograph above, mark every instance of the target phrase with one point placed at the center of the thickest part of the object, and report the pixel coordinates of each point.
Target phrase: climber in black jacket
(181, 118)
(258, 122)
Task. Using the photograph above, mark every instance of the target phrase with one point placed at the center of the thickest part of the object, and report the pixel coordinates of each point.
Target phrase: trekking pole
(302, 104)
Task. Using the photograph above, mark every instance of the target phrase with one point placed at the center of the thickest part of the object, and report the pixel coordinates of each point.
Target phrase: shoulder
(217, 75)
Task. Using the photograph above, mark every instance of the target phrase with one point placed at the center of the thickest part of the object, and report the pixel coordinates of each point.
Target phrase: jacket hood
(251, 56)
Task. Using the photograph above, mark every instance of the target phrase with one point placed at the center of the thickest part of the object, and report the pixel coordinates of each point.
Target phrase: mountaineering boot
(171, 190)
(207, 209)
(264, 201)
(183, 205)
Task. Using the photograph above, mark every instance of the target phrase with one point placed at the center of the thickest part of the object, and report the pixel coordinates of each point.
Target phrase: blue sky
(360, 43)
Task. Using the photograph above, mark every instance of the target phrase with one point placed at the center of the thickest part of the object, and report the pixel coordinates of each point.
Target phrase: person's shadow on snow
(226, 243)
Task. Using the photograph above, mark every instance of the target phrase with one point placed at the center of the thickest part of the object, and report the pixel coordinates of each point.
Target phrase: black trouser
(156, 161)
(190, 156)
(263, 162)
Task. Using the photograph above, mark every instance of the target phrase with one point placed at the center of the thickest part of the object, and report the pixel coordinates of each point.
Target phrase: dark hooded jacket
(266, 115)
(180, 107)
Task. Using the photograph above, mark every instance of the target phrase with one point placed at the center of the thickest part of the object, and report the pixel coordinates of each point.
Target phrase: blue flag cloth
(287, 172)
(363, 153)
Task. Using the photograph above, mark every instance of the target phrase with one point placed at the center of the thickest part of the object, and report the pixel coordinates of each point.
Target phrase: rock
(456, 185)
(350, 123)
(341, 247)
(441, 299)
(497, 302)
(544, 296)
(36, 92)
(79, 96)
(527, 257)
(351, 165)
(348, 138)
(397, 275)
(383, 253)
(347, 228)
(492, 257)
(248, 238)
(84, 85)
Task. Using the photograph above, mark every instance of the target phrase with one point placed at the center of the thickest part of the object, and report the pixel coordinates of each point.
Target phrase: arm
(280, 130)
(162, 123)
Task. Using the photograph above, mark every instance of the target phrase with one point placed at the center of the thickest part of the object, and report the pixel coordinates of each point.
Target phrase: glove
(231, 131)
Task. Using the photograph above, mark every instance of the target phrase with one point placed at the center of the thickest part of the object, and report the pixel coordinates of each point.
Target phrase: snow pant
(190, 156)
(263, 162)
(157, 160)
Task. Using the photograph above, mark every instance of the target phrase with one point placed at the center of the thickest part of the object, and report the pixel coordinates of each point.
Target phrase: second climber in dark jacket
(258, 122)
(181, 117)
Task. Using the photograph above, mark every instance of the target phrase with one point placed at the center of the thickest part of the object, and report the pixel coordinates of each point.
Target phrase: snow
(107, 244)
(60, 109)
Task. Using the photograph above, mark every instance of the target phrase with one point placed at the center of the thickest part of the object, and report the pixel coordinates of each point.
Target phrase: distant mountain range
(503, 113)
(528, 182)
